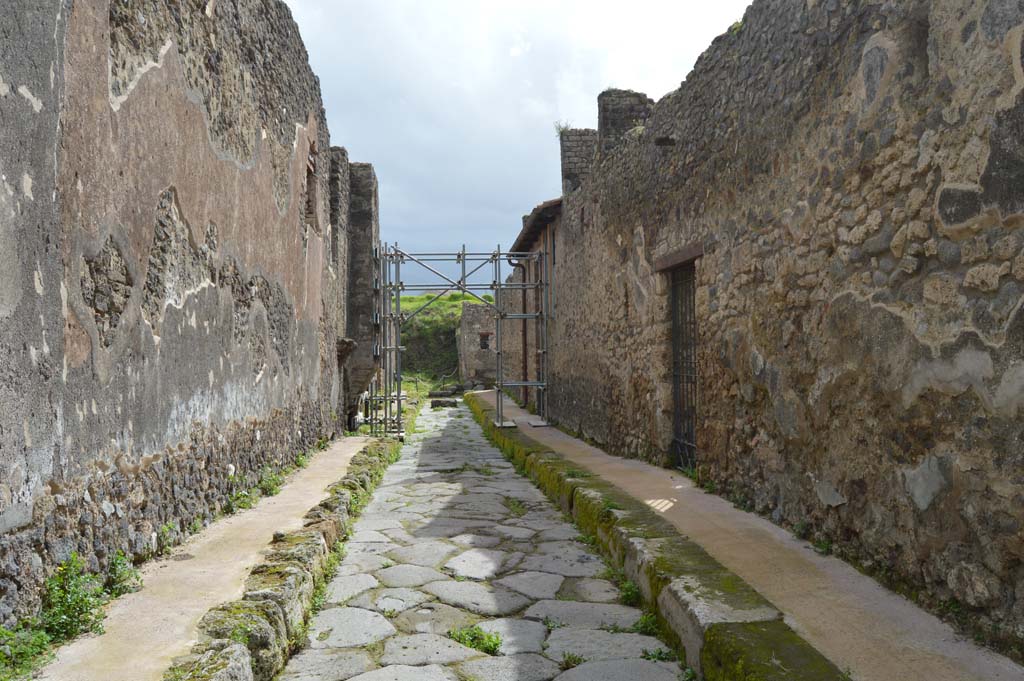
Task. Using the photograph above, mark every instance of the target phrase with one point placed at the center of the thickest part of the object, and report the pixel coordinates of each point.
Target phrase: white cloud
(453, 100)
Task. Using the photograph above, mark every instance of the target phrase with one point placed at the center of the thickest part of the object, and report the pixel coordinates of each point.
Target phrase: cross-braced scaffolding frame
(392, 264)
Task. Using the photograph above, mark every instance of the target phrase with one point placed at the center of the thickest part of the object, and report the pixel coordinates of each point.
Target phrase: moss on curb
(265, 626)
(655, 555)
(761, 651)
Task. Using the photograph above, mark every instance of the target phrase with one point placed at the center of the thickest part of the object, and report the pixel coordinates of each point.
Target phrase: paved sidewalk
(147, 629)
(855, 622)
(455, 537)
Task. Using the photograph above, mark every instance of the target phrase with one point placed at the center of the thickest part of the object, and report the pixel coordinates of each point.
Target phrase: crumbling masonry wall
(365, 230)
(477, 365)
(852, 173)
(174, 283)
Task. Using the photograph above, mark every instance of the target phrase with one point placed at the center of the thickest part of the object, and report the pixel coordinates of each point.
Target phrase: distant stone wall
(578, 148)
(851, 173)
(364, 231)
(477, 366)
(173, 274)
(619, 112)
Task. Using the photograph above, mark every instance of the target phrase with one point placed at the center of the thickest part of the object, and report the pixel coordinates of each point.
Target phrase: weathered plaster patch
(969, 369)
(37, 104)
(925, 482)
(5, 89)
(10, 268)
(117, 101)
(1009, 395)
(26, 186)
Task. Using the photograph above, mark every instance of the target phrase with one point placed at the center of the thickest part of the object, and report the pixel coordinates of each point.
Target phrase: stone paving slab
(452, 538)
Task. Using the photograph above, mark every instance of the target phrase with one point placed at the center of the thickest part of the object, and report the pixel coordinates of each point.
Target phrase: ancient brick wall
(578, 147)
(173, 282)
(851, 173)
(476, 364)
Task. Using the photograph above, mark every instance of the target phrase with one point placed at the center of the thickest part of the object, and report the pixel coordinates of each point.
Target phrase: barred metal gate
(684, 366)
(391, 280)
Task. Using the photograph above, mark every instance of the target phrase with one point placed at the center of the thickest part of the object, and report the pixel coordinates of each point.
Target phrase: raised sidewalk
(147, 629)
(863, 628)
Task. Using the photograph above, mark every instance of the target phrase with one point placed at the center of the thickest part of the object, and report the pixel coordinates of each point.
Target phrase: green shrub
(122, 577)
(165, 538)
(72, 602)
(629, 593)
(22, 650)
(270, 482)
(647, 625)
(476, 638)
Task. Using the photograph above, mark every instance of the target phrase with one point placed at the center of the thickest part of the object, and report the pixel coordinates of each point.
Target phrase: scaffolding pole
(384, 409)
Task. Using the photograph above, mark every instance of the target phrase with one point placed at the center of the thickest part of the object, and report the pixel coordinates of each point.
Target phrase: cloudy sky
(454, 101)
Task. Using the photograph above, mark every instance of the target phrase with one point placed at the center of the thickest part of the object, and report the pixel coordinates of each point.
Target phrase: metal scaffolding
(384, 407)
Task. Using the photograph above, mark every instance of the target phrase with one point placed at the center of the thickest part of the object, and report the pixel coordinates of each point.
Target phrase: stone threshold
(252, 638)
(723, 628)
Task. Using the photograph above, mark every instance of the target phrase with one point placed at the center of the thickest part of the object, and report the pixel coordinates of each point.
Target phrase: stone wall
(578, 147)
(619, 112)
(477, 366)
(365, 235)
(851, 173)
(173, 283)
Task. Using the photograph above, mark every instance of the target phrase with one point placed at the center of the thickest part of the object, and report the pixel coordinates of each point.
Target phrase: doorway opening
(684, 365)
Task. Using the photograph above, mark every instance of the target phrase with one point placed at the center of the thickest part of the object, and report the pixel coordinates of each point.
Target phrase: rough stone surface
(595, 646)
(390, 600)
(584, 615)
(594, 590)
(517, 635)
(345, 587)
(408, 575)
(318, 664)
(171, 297)
(482, 599)
(401, 625)
(433, 618)
(512, 668)
(534, 584)
(408, 673)
(621, 670)
(347, 628)
(477, 563)
(476, 345)
(853, 215)
(420, 649)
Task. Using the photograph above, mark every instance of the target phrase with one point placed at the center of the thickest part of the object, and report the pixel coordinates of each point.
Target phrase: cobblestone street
(455, 538)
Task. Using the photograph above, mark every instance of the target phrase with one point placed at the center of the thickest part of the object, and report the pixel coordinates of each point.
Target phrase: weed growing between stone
(658, 655)
(73, 601)
(165, 538)
(515, 506)
(122, 577)
(476, 638)
(21, 651)
(270, 482)
(570, 660)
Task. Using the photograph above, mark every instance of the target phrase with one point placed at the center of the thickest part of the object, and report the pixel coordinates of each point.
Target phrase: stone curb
(252, 638)
(725, 628)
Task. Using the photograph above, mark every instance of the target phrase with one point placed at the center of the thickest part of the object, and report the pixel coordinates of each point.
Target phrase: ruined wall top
(618, 112)
(578, 147)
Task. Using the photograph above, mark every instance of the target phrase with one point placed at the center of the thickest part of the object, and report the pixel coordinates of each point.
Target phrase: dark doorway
(684, 366)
